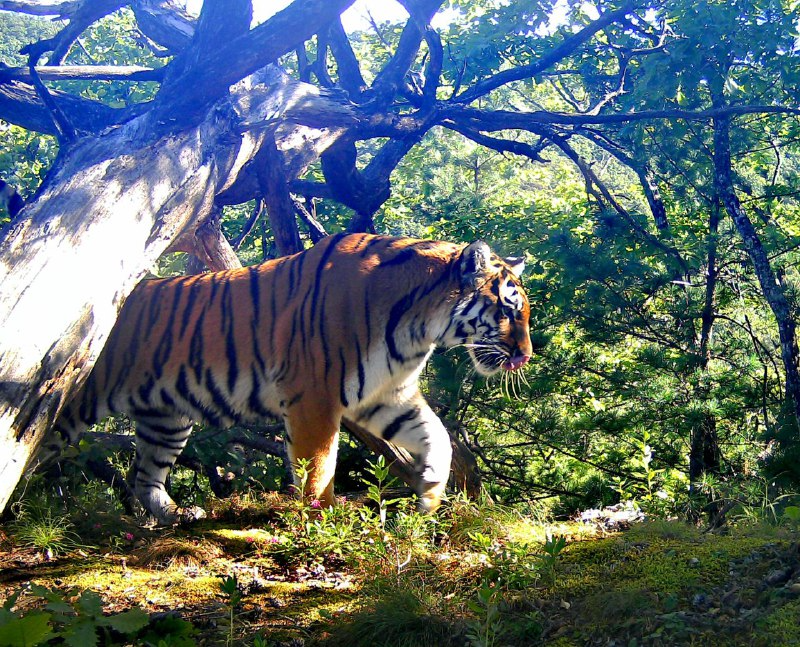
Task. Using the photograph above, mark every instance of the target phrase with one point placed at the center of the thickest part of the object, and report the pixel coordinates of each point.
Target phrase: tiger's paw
(173, 515)
(190, 514)
(430, 497)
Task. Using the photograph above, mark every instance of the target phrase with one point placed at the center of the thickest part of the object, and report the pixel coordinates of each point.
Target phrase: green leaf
(33, 629)
(82, 634)
(126, 622)
(90, 604)
(11, 601)
(792, 513)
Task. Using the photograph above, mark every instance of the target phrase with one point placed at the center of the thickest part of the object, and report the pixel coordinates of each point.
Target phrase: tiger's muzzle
(516, 362)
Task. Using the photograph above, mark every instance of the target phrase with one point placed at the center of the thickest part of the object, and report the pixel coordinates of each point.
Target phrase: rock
(778, 576)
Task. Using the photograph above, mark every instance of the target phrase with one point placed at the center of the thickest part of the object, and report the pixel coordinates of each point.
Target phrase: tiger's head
(492, 315)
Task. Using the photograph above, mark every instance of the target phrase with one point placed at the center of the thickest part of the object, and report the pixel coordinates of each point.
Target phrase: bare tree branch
(349, 72)
(192, 90)
(164, 22)
(82, 72)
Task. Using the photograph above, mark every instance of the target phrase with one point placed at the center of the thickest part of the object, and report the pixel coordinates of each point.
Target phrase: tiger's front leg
(412, 425)
(312, 437)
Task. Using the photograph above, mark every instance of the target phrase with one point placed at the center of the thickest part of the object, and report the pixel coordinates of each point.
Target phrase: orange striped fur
(342, 329)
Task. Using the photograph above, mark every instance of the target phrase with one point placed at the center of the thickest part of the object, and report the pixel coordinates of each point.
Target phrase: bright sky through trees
(356, 17)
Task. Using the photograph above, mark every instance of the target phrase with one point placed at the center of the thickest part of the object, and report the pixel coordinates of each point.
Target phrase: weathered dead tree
(119, 196)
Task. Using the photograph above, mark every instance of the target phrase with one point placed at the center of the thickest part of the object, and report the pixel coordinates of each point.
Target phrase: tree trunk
(704, 455)
(108, 210)
(770, 286)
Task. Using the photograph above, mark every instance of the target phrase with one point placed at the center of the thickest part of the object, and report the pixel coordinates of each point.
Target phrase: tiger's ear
(474, 261)
(516, 264)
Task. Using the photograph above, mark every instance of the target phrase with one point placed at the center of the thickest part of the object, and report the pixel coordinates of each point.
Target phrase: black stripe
(146, 389)
(394, 426)
(255, 293)
(188, 309)
(398, 310)
(273, 309)
(154, 306)
(254, 399)
(369, 413)
(196, 347)
(129, 358)
(214, 282)
(182, 387)
(164, 465)
(87, 412)
(326, 351)
(158, 442)
(167, 398)
(230, 351)
(163, 349)
(361, 241)
(361, 374)
(375, 241)
(218, 398)
(302, 321)
(399, 259)
(334, 241)
(367, 320)
(256, 337)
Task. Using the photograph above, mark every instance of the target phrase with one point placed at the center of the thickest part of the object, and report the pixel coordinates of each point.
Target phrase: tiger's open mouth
(489, 360)
(516, 362)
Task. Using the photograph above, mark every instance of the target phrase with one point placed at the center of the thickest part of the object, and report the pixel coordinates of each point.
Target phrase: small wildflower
(129, 536)
(316, 504)
(274, 540)
(249, 540)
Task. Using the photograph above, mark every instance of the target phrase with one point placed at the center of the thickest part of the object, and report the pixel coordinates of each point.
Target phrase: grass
(50, 534)
(401, 618)
(472, 575)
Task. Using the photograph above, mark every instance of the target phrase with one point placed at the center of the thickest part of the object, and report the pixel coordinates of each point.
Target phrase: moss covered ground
(474, 575)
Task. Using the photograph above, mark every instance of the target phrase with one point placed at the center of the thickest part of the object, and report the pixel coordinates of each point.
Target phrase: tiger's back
(343, 328)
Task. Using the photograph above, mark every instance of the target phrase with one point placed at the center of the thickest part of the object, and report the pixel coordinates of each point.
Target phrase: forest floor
(251, 575)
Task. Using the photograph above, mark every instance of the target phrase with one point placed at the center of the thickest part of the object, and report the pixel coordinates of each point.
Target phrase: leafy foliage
(79, 621)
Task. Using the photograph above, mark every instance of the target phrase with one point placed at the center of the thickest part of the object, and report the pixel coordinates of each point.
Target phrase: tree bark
(704, 453)
(107, 211)
(770, 286)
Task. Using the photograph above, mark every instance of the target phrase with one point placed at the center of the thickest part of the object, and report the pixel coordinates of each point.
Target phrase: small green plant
(509, 566)
(548, 558)
(378, 485)
(229, 586)
(37, 527)
(485, 630)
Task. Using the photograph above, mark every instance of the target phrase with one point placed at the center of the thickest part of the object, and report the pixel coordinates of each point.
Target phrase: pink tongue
(516, 362)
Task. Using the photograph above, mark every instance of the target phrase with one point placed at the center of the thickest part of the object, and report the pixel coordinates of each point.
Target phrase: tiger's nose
(516, 362)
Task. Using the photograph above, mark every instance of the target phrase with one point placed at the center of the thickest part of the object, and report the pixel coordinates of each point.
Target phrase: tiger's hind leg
(412, 425)
(159, 442)
(313, 437)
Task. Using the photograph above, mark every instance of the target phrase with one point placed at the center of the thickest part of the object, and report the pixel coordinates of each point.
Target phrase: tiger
(342, 329)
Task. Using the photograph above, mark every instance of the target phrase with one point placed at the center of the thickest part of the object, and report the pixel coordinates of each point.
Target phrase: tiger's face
(492, 318)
